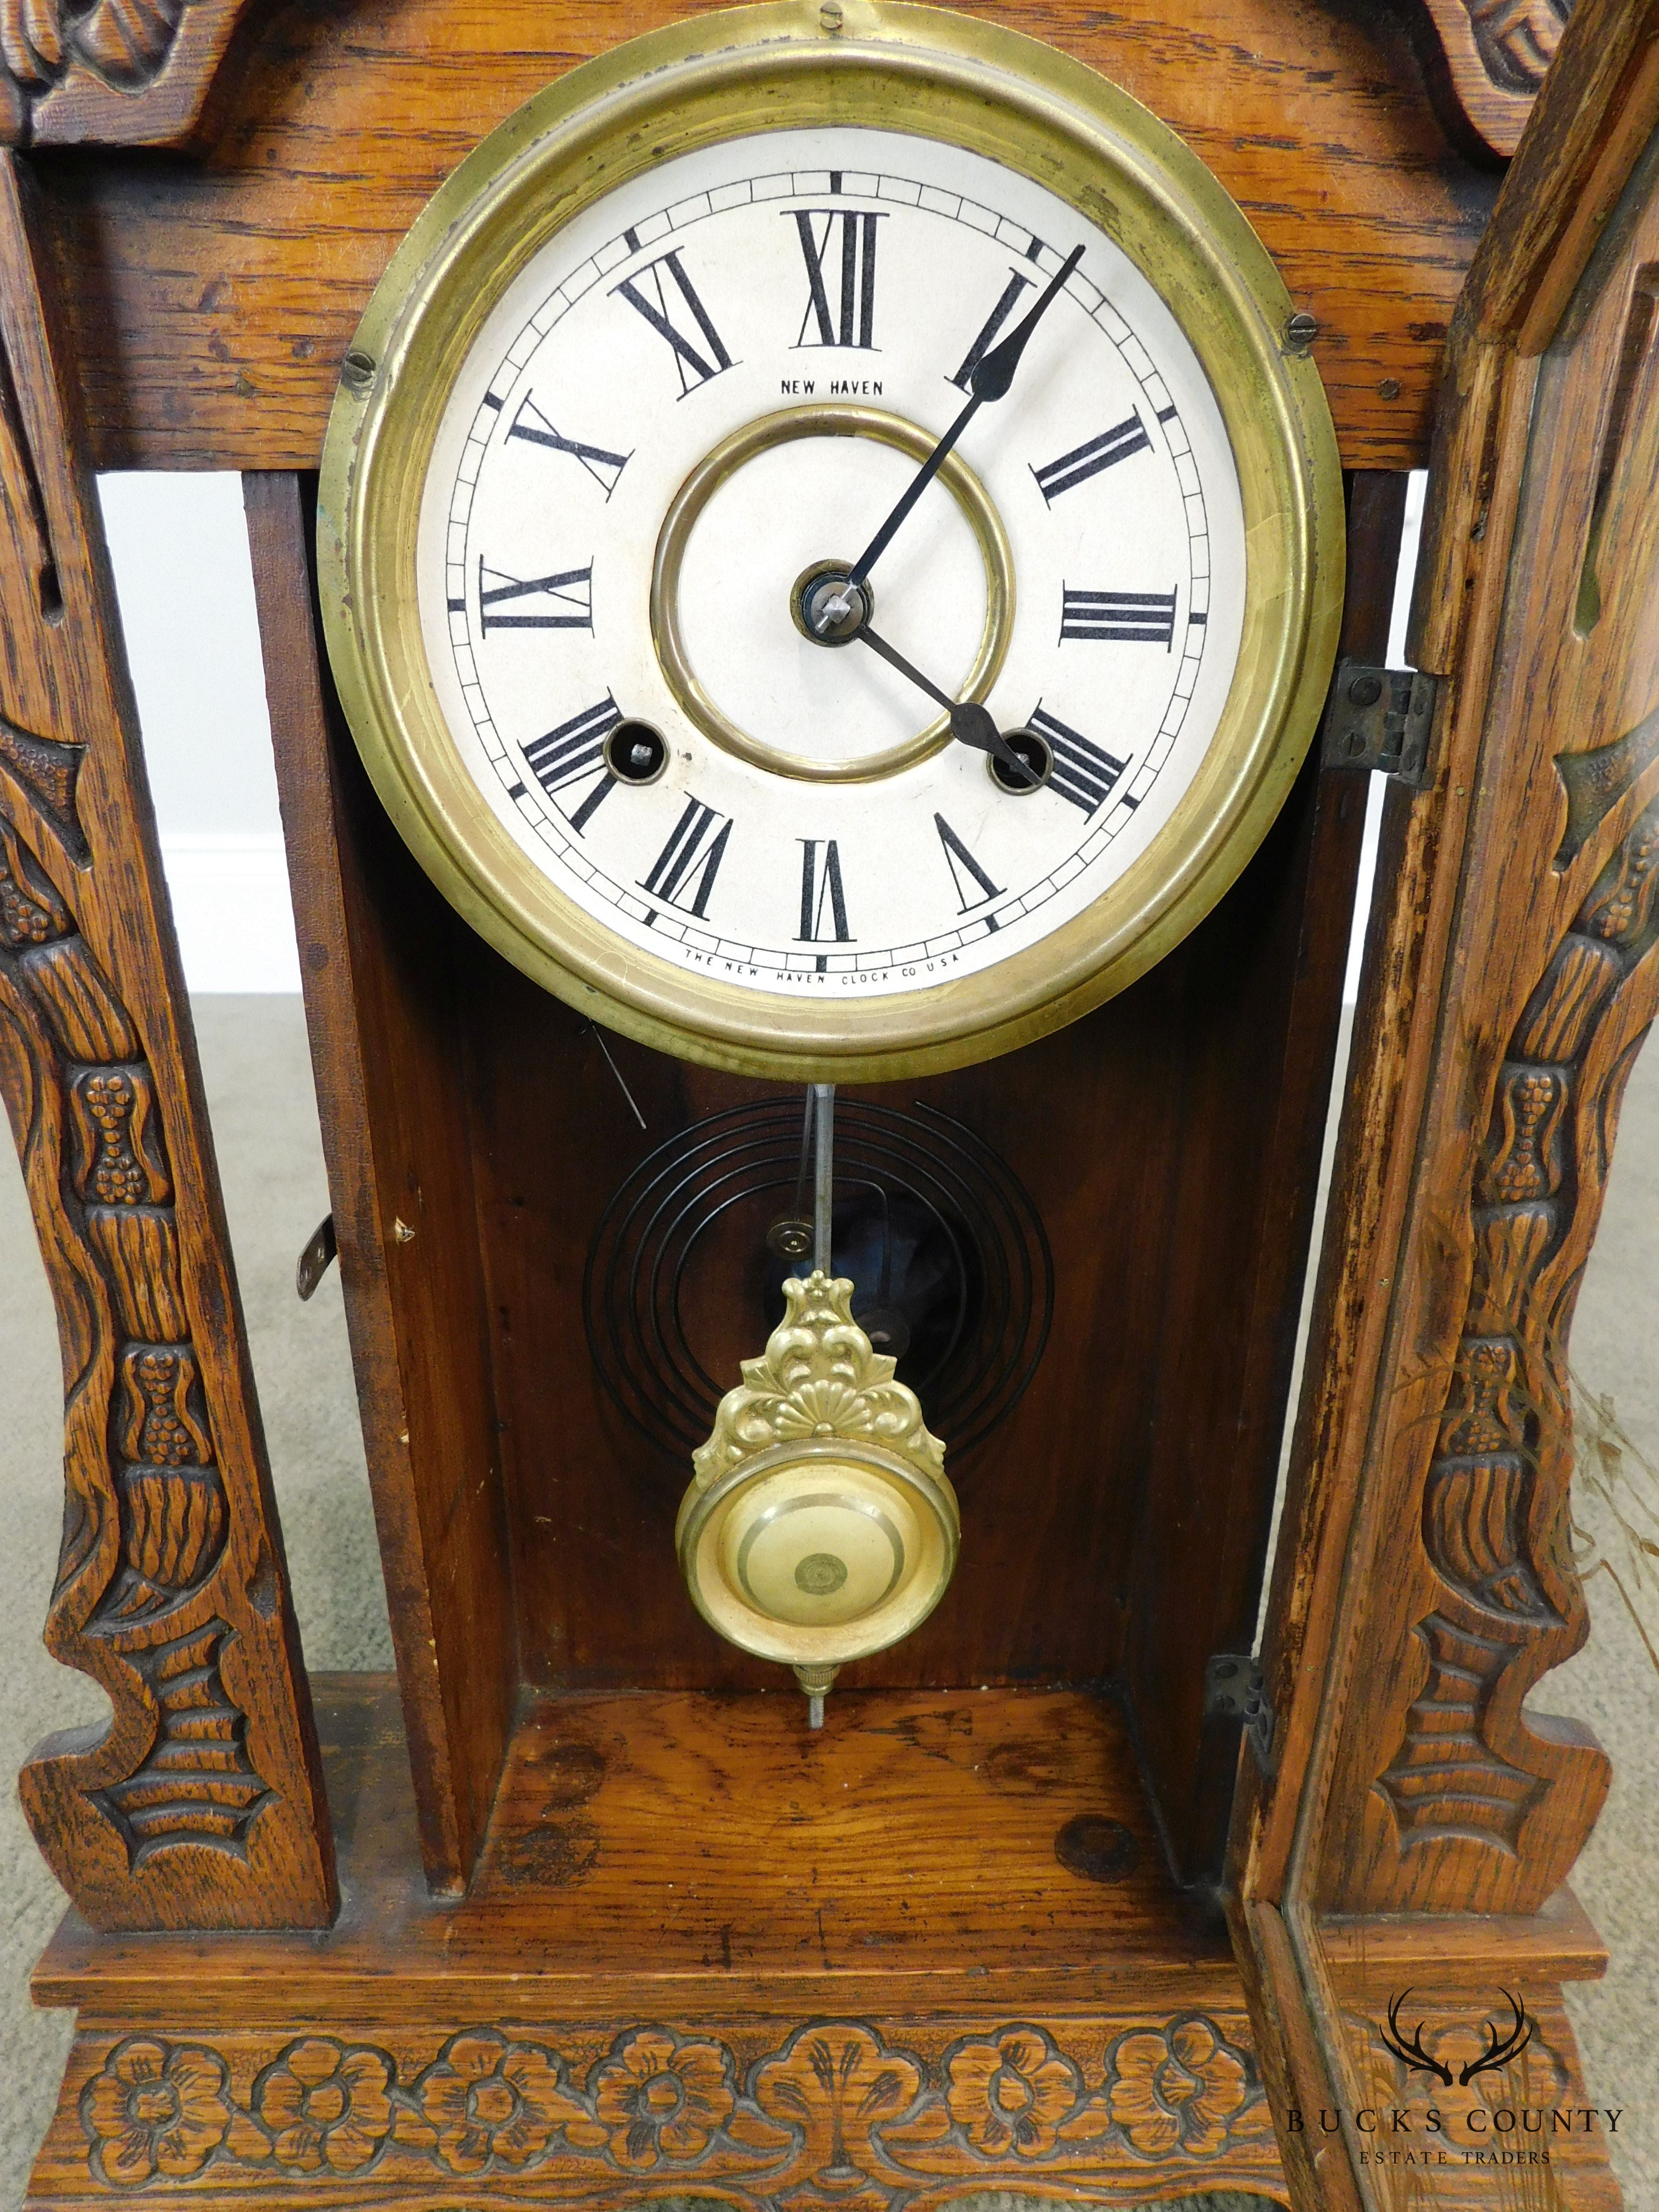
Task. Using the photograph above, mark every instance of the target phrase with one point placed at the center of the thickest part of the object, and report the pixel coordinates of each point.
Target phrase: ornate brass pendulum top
(820, 1525)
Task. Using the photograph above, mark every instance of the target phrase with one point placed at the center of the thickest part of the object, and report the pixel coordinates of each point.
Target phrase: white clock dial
(719, 378)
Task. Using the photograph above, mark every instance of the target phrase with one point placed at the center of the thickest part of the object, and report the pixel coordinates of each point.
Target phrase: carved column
(1447, 1795)
(200, 1805)
(1425, 1584)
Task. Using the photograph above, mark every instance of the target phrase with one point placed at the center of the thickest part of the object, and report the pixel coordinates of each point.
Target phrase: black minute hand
(970, 723)
(990, 380)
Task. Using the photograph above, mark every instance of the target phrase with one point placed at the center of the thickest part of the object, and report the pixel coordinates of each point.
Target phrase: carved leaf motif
(1517, 39)
(838, 2083)
(820, 1376)
(1493, 1524)
(123, 42)
(31, 912)
(126, 41)
(173, 1525)
(48, 771)
(32, 41)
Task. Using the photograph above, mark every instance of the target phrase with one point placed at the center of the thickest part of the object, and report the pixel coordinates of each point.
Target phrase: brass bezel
(884, 63)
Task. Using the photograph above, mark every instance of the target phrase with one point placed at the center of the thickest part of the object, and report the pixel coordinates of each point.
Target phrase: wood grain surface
(1542, 1025)
(1262, 1038)
(212, 307)
(378, 976)
(1405, 1774)
(673, 1850)
(200, 1802)
(1165, 1143)
(709, 1952)
(754, 2114)
(1511, 758)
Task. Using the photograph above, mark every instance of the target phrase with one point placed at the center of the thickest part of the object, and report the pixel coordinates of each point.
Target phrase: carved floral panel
(831, 2111)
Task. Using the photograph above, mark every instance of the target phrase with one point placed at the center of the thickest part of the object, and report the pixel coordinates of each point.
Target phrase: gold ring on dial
(824, 421)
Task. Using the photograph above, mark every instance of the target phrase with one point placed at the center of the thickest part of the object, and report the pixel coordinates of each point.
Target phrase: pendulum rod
(815, 1680)
(823, 1173)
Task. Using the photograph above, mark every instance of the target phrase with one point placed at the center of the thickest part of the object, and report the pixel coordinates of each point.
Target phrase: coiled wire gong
(949, 1255)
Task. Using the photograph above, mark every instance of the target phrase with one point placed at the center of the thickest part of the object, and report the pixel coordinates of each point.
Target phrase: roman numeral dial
(560, 601)
(1120, 443)
(683, 873)
(1118, 618)
(823, 900)
(573, 756)
(843, 386)
(1084, 772)
(839, 248)
(972, 885)
(991, 329)
(669, 302)
(535, 428)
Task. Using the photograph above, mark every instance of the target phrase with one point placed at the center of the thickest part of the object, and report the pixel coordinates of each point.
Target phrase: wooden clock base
(708, 1953)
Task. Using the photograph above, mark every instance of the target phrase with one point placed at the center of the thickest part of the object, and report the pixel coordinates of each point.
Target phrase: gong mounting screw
(789, 1237)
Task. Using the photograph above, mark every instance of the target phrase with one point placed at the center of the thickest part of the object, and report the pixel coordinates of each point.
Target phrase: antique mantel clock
(833, 561)
(751, 400)
(798, 585)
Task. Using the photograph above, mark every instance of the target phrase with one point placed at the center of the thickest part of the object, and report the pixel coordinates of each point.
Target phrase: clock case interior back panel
(1116, 1516)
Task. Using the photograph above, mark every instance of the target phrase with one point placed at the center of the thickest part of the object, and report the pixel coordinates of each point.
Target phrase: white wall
(1410, 538)
(179, 551)
(179, 546)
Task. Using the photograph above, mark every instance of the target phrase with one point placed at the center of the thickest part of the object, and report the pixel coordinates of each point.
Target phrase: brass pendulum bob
(820, 1525)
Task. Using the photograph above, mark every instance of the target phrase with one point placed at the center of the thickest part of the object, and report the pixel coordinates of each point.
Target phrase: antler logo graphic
(1500, 2048)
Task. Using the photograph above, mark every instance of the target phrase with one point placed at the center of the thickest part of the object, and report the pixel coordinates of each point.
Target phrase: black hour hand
(970, 723)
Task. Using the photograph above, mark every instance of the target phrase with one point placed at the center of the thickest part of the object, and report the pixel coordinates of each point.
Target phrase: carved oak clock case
(626, 796)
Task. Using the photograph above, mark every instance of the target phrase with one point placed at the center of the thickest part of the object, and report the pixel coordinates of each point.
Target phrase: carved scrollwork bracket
(1484, 61)
(110, 72)
(1551, 930)
(200, 1805)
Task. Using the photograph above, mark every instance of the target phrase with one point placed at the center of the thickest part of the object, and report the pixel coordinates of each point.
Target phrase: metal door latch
(1233, 1691)
(314, 1262)
(1380, 717)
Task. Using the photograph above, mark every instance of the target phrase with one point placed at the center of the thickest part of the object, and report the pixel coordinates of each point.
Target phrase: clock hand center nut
(827, 606)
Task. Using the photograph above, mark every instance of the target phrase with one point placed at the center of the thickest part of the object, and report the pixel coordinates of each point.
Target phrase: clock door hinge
(1380, 717)
(1233, 1690)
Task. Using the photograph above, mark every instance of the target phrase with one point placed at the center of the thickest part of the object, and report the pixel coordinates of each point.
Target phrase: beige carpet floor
(259, 1091)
